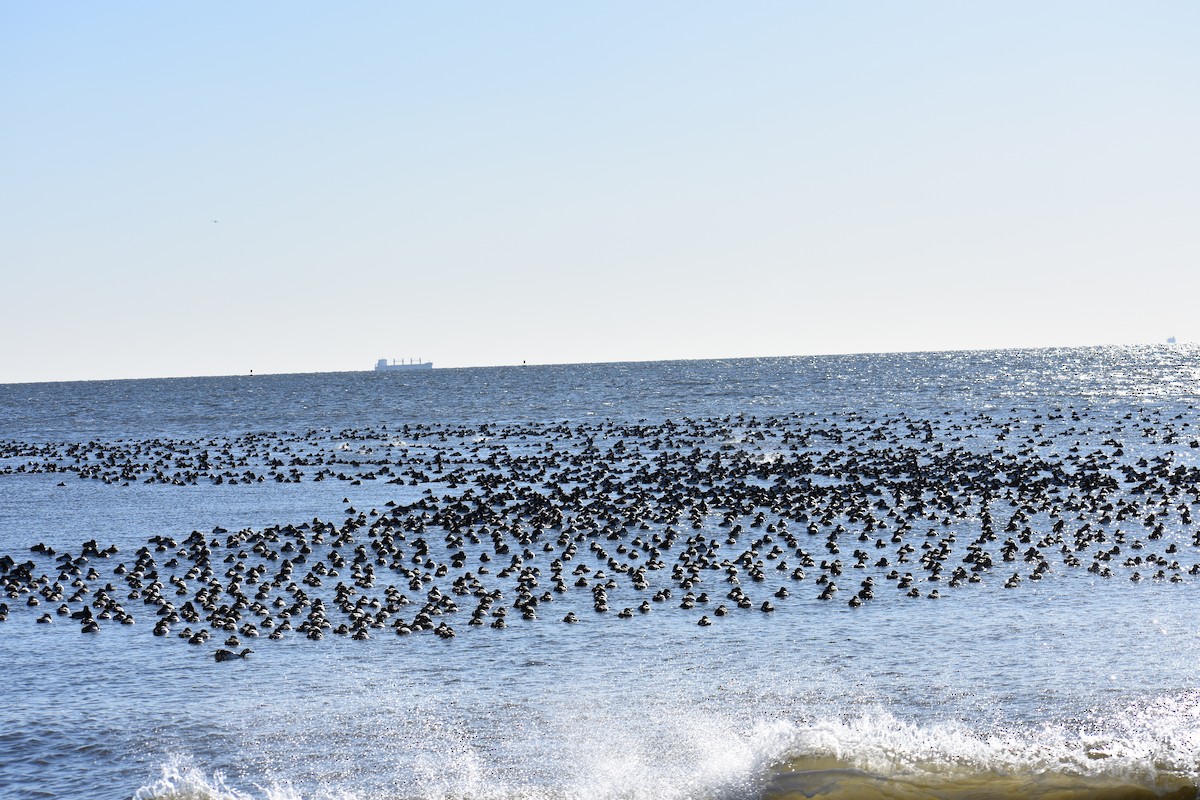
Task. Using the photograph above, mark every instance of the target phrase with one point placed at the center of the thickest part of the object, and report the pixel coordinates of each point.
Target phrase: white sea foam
(181, 780)
(1144, 746)
(691, 755)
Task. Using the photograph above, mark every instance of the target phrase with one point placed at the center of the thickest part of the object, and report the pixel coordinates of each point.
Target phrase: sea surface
(980, 570)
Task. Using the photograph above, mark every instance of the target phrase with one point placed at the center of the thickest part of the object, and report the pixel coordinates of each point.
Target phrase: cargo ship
(383, 365)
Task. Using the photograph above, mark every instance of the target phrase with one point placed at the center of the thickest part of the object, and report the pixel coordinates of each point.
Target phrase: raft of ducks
(705, 515)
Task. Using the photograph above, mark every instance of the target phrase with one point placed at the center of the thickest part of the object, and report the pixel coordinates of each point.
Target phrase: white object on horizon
(1170, 340)
(382, 365)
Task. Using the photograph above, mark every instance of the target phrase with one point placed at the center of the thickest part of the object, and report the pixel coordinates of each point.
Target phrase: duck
(228, 655)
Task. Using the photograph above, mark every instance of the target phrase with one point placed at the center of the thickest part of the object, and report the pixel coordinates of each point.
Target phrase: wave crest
(1146, 753)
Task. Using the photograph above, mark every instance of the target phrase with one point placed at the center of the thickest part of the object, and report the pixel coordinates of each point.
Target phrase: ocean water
(1010, 534)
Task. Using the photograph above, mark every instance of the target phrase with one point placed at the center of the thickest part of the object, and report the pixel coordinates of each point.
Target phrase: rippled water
(1074, 683)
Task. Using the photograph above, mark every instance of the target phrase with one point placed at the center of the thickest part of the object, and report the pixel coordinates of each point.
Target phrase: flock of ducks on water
(715, 517)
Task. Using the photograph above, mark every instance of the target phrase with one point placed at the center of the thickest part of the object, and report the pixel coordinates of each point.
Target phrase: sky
(222, 187)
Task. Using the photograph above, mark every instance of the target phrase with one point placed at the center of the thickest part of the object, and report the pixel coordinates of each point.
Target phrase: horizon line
(252, 374)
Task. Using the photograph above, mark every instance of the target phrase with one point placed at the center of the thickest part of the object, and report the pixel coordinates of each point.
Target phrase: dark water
(1070, 682)
(867, 383)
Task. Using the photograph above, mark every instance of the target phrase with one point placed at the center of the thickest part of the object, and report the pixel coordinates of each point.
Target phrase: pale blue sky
(491, 183)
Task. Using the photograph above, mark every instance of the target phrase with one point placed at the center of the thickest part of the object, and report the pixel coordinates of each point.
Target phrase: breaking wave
(1146, 753)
